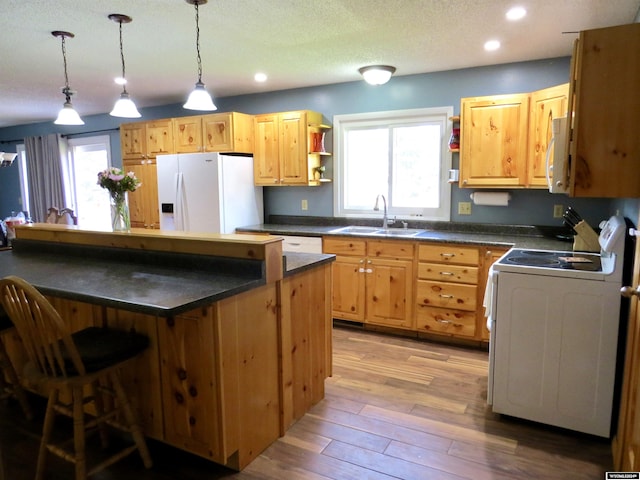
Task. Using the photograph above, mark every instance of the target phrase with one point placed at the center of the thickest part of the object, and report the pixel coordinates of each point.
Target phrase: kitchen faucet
(385, 221)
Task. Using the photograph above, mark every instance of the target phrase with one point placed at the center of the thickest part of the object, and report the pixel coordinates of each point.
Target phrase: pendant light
(124, 106)
(199, 99)
(66, 116)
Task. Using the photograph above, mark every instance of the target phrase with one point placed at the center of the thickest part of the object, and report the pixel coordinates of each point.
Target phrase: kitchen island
(240, 336)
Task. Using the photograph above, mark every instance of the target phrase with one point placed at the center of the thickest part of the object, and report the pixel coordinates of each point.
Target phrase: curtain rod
(67, 135)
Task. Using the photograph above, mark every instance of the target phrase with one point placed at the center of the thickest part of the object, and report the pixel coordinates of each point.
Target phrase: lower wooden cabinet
(428, 288)
(373, 280)
(447, 289)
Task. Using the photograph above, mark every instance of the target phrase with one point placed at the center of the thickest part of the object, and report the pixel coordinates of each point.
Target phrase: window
(402, 155)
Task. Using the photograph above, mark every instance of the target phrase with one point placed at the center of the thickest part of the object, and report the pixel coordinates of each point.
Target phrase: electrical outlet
(557, 211)
(304, 204)
(464, 208)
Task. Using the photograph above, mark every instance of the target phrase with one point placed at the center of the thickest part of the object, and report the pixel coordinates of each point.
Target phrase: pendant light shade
(124, 106)
(199, 99)
(68, 115)
(377, 74)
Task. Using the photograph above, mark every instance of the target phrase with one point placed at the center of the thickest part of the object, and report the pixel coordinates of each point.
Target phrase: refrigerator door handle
(179, 213)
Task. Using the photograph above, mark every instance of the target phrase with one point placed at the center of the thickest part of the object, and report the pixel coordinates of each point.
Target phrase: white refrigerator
(207, 192)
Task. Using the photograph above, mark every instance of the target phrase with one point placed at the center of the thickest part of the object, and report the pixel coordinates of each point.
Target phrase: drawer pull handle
(448, 255)
(361, 270)
(442, 295)
(439, 320)
(450, 274)
(293, 244)
(369, 270)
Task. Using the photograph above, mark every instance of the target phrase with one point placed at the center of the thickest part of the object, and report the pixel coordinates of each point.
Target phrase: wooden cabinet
(493, 141)
(145, 140)
(373, 280)
(447, 289)
(545, 105)
(217, 132)
(605, 102)
(489, 257)
(282, 153)
(143, 203)
(504, 138)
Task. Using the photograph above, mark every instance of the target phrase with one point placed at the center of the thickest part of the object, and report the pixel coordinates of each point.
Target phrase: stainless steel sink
(377, 231)
(400, 232)
(356, 230)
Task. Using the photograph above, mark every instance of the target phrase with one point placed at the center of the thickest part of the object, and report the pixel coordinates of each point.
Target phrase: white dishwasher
(294, 243)
(554, 321)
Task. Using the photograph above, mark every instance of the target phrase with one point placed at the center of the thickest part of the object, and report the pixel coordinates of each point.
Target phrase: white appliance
(558, 171)
(207, 192)
(554, 320)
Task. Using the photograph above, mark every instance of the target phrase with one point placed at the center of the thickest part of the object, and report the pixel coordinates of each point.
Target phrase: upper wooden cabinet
(282, 151)
(217, 132)
(544, 106)
(605, 101)
(504, 138)
(145, 140)
(494, 141)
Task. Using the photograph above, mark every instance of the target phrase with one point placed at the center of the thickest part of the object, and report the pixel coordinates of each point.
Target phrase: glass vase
(120, 220)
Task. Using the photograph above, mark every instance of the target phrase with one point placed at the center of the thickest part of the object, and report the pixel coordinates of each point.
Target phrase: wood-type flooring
(395, 408)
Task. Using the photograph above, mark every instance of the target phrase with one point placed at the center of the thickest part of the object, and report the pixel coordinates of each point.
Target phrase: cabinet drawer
(381, 248)
(345, 246)
(448, 273)
(445, 320)
(448, 254)
(447, 295)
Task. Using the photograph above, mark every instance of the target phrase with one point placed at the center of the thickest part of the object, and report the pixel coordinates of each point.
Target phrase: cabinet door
(389, 287)
(191, 404)
(188, 134)
(349, 288)
(143, 203)
(218, 132)
(545, 105)
(606, 146)
(494, 141)
(266, 170)
(133, 140)
(293, 148)
(159, 137)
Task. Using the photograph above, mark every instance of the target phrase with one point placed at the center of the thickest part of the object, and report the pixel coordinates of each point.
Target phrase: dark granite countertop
(499, 236)
(148, 282)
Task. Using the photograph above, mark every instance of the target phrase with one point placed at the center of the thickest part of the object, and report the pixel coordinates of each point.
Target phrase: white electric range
(554, 320)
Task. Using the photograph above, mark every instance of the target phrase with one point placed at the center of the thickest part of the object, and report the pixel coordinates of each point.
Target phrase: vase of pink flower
(119, 184)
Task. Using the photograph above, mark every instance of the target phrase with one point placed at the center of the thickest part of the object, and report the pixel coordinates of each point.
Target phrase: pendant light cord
(198, 43)
(66, 89)
(124, 84)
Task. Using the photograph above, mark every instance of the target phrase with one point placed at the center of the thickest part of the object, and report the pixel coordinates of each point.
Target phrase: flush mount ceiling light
(199, 99)
(124, 106)
(377, 74)
(66, 116)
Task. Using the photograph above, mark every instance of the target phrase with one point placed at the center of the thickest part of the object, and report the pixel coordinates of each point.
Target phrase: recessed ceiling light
(491, 45)
(260, 77)
(516, 13)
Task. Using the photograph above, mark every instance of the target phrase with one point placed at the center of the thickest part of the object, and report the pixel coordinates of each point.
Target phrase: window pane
(367, 170)
(416, 167)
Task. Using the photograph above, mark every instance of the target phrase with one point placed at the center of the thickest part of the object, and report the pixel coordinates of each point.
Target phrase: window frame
(391, 118)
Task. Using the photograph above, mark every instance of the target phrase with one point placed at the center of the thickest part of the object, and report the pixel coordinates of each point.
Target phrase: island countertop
(151, 282)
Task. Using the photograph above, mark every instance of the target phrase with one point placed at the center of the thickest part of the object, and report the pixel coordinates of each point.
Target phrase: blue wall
(402, 92)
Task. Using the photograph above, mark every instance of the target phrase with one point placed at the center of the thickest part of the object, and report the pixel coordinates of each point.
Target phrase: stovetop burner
(552, 259)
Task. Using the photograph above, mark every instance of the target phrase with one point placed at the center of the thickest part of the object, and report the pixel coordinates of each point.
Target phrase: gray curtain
(44, 174)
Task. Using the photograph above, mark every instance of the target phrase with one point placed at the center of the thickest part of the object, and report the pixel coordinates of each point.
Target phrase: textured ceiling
(297, 43)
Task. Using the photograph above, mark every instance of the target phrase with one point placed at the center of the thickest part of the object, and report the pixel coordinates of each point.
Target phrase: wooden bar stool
(13, 386)
(65, 362)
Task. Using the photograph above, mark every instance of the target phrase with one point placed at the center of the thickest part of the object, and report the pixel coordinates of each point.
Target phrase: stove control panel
(612, 234)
